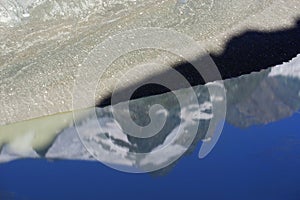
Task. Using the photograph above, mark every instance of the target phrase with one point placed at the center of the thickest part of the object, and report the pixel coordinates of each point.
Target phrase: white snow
(290, 69)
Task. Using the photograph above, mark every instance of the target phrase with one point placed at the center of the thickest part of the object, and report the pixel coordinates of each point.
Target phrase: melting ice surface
(279, 86)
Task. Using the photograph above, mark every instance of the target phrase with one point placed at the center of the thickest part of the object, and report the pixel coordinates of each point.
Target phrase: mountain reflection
(258, 98)
(254, 99)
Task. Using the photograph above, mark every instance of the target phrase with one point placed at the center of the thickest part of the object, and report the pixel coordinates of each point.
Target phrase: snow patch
(289, 69)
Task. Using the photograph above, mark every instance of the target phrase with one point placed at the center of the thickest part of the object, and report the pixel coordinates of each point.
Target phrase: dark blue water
(261, 162)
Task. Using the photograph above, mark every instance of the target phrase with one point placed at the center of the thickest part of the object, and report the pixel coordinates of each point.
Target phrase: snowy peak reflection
(105, 139)
(264, 97)
(258, 98)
